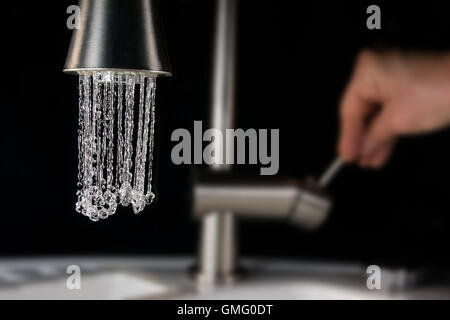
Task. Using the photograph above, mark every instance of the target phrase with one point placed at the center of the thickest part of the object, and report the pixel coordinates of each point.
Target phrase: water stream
(115, 142)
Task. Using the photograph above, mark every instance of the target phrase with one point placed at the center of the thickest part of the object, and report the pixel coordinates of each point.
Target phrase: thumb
(378, 134)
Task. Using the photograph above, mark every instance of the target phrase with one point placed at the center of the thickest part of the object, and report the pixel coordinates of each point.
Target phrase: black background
(294, 58)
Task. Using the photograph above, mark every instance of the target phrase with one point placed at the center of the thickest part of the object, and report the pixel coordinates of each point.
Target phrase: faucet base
(217, 250)
(204, 280)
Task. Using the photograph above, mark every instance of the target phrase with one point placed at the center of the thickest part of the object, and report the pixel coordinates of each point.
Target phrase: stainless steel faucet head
(313, 203)
(118, 52)
(311, 207)
(305, 205)
(118, 35)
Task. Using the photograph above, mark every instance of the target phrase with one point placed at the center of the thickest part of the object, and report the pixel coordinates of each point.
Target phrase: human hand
(390, 95)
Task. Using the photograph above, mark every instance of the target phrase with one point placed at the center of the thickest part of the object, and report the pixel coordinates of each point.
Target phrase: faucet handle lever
(330, 172)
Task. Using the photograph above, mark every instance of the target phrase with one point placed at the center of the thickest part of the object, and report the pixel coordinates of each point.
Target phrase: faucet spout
(304, 207)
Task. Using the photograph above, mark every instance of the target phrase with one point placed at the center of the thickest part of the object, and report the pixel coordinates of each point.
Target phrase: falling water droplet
(106, 150)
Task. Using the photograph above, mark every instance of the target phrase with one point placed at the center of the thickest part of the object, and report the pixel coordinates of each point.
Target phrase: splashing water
(107, 174)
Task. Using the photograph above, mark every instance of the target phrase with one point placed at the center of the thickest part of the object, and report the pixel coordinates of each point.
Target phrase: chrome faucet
(100, 45)
(217, 204)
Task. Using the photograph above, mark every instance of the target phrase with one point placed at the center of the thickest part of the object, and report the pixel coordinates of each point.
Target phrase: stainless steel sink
(165, 277)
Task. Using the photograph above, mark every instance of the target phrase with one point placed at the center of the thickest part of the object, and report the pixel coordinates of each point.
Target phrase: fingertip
(364, 162)
(369, 146)
(379, 162)
(380, 158)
